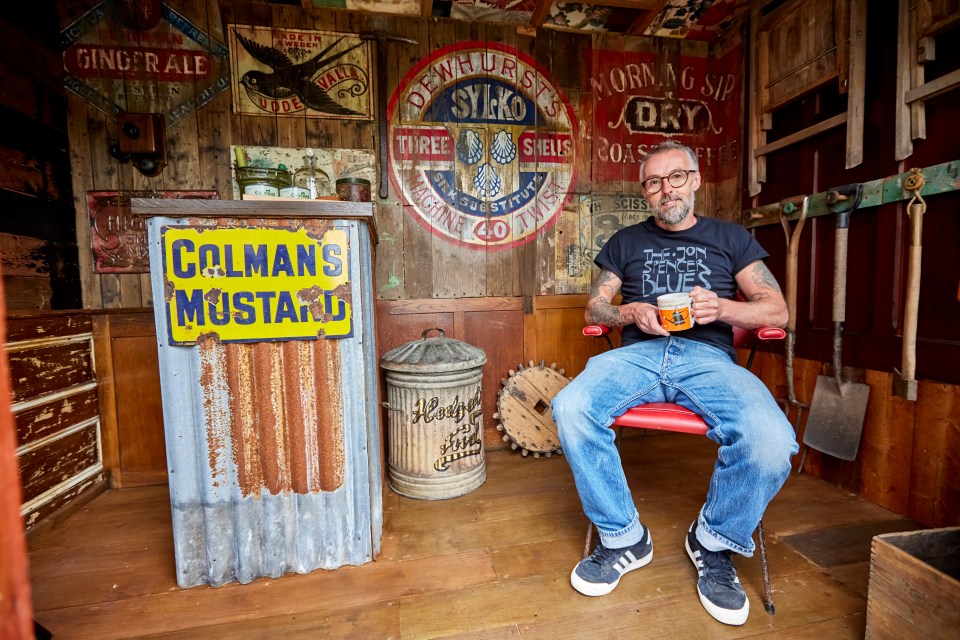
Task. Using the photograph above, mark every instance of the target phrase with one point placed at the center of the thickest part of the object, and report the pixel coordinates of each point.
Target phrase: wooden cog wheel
(523, 409)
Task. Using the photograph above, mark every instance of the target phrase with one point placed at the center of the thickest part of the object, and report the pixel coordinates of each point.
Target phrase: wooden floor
(492, 564)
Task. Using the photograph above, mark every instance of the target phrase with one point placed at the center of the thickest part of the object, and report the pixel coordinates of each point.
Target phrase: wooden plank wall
(412, 263)
(37, 237)
(422, 272)
(503, 301)
(508, 333)
(908, 457)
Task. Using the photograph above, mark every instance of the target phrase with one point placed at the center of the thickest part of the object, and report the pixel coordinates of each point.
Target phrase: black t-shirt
(651, 261)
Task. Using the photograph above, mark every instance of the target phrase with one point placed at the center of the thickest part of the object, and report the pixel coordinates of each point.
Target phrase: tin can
(262, 181)
(294, 192)
(353, 189)
(435, 423)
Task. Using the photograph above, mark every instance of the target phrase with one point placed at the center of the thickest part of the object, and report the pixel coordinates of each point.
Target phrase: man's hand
(704, 305)
(601, 310)
(645, 316)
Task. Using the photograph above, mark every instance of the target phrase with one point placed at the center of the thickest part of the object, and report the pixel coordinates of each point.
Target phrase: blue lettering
(328, 306)
(306, 259)
(331, 255)
(180, 246)
(282, 262)
(265, 297)
(224, 317)
(189, 310)
(255, 259)
(286, 309)
(245, 312)
(209, 259)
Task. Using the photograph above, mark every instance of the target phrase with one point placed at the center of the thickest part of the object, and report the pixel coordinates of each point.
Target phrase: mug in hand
(675, 312)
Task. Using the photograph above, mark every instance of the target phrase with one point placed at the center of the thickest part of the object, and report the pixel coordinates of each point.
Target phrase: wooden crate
(914, 585)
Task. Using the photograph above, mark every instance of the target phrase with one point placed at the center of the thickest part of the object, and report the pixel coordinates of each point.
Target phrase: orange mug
(675, 314)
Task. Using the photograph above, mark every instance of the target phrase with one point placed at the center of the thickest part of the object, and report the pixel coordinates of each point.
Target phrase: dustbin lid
(433, 354)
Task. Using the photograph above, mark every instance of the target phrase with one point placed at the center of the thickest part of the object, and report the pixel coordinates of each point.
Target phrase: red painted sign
(639, 103)
(483, 146)
(119, 240)
(116, 63)
(142, 56)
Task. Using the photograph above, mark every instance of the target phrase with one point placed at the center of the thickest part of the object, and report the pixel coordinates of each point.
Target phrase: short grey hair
(670, 145)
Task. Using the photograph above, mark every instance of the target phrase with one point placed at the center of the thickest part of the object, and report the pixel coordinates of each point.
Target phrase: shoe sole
(733, 617)
(601, 588)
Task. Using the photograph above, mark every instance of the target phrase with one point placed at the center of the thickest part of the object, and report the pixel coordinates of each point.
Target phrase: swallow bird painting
(327, 81)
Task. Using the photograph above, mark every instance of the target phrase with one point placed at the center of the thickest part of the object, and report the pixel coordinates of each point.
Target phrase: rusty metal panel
(272, 446)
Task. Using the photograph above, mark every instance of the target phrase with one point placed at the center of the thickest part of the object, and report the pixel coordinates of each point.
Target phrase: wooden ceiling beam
(645, 19)
(426, 8)
(540, 13)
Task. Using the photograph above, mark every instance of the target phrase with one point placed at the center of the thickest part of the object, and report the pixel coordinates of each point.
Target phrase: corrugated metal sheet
(273, 447)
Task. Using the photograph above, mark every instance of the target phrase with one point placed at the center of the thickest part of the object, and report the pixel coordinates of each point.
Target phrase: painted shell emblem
(469, 147)
(503, 149)
(487, 182)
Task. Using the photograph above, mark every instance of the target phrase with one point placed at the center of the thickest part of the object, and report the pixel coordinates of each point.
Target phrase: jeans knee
(770, 456)
(568, 413)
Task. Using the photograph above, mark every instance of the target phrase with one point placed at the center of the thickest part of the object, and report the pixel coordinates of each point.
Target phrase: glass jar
(310, 178)
(353, 189)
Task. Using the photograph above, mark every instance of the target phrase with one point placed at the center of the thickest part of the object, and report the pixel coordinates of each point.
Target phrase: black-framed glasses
(676, 179)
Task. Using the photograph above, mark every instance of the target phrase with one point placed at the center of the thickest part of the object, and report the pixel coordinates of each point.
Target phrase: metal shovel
(835, 421)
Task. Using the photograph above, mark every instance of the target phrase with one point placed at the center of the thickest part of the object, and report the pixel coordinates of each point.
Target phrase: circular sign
(483, 147)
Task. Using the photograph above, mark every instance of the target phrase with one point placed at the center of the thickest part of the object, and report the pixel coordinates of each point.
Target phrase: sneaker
(599, 573)
(720, 591)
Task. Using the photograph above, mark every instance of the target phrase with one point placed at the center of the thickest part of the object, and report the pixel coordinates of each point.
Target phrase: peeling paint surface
(273, 447)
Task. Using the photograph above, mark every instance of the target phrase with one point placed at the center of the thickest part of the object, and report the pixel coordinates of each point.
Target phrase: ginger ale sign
(256, 284)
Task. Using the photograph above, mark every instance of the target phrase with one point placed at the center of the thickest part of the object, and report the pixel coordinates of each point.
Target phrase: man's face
(671, 204)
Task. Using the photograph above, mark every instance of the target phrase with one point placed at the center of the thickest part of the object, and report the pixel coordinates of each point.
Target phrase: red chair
(667, 416)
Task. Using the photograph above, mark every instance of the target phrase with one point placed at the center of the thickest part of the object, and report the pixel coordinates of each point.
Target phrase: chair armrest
(770, 333)
(596, 330)
(763, 333)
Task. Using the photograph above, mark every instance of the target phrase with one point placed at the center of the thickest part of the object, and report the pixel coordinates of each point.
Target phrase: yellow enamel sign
(256, 284)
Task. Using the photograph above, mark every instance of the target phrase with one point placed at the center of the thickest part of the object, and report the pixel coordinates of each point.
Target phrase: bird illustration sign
(317, 74)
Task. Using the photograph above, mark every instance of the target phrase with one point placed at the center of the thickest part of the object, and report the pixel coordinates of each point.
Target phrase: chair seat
(664, 416)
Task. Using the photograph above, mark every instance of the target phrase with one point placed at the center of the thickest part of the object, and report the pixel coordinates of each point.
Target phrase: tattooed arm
(601, 310)
(765, 306)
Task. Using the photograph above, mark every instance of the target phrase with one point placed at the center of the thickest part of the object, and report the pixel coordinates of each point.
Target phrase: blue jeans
(756, 440)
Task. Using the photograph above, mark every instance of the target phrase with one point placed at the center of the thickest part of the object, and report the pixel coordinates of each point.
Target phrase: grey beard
(677, 213)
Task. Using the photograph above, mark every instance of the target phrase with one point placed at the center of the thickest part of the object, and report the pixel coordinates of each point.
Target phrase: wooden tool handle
(791, 284)
(840, 275)
(908, 367)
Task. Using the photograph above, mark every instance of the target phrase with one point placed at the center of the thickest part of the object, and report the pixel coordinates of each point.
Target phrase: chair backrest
(742, 337)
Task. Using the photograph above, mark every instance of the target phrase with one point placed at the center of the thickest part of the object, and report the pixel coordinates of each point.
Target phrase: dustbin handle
(423, 336)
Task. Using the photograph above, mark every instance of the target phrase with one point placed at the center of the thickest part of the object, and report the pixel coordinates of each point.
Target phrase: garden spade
(835, 421)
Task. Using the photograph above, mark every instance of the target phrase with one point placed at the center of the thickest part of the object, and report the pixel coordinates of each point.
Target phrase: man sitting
(677, 251)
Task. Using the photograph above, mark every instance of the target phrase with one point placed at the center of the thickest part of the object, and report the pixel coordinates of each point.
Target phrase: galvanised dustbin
(435, 424)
